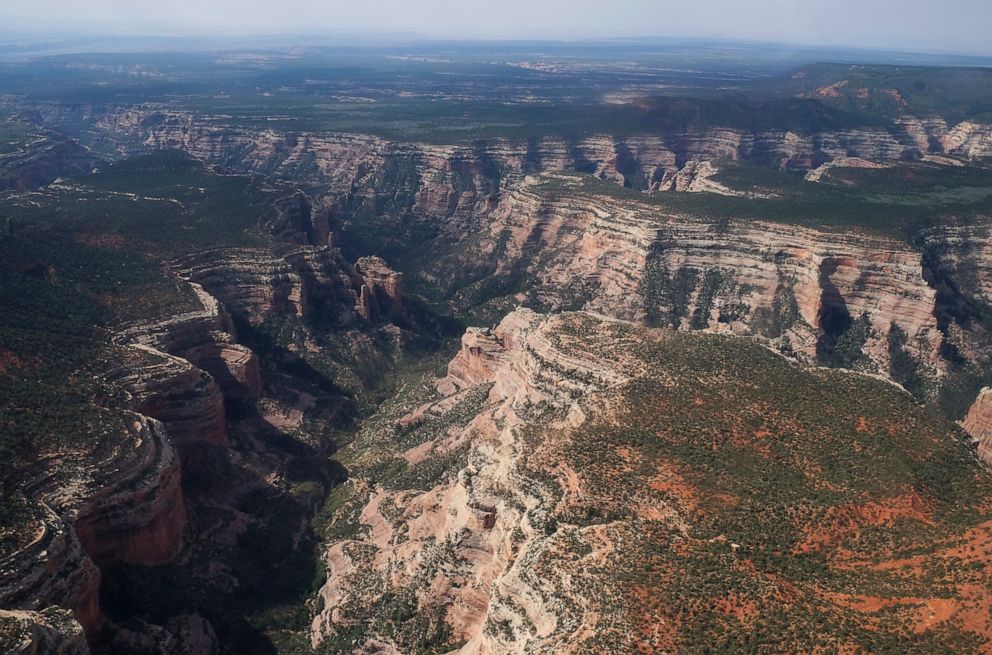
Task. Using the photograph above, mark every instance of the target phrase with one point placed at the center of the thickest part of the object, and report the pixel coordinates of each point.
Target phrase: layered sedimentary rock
(205, 339)
(309, 282)
(779, 282)
(296, 219)
(485, 515)
(557, 494)
(482, 351)
(968, 139)
(978, 423)
(150, 529)
(185, 398)
(120, 504)
(252, 282)
(382, 288)
(783, 282)
(448, 180)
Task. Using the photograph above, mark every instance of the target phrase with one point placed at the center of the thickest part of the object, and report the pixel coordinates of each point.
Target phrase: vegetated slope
(156, 428)
(589, 485)
(573, 482)
(955, 94)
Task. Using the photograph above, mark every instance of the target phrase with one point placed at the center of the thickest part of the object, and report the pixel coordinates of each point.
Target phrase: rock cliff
(557, 488)
(978, 423)
(119, 504)
(462, 544)
(801, 289)
(313, 283)
(452, 179)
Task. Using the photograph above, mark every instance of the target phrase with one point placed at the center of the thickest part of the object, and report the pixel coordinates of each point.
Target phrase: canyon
(643, 389)
(543, 496)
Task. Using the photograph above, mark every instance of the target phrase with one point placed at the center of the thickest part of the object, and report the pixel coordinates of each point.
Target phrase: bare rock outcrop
(309, 282)
(978, 423)
(249, 281)
(449, 180)
(185, 398)
(469, 539)
(386, 283)
(205, 339)
(121, 503)
(795, 287)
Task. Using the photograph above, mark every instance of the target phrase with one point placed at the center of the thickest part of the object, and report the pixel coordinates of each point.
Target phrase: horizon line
(79, 32)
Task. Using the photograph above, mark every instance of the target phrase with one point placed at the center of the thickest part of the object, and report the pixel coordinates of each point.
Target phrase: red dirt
(846, 521)
(658, 632)
(669, 481)
(732, 605)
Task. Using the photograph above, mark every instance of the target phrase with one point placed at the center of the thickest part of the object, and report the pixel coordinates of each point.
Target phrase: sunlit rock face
(978, 423)
(447, 180)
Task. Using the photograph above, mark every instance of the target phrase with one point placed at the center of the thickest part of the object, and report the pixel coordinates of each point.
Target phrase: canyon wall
(120, 503)
(313, 283)
(450, 179)
(811, 292)
(466, 545)
(795, 287)
(978, 424)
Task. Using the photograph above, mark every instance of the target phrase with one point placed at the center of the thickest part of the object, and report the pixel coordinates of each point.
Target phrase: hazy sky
(936, 25)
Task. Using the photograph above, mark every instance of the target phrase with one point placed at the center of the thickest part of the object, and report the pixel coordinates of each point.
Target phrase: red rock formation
(366, 306)
(203, 338)
(978, 424)
(183, 397)
(151, 530)
(461, 179)
(478, 511)
(481, 352)
(385, 283)
(122, 504)
(621, 259)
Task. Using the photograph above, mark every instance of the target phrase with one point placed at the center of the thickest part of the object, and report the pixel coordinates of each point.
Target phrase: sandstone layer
(781, 283)
(453, 179)
(555, 492)
(120, 504)
(978, 423)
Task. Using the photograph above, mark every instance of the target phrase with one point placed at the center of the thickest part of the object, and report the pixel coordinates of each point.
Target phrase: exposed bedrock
(141, 521)
(447, 180)
(382, 288)
(296, 219)
(205, 339)
(978, 424)
(958, 264)
(802, 289)
(312, 283)
(185, 398)
(471, 537)
(121, 503)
